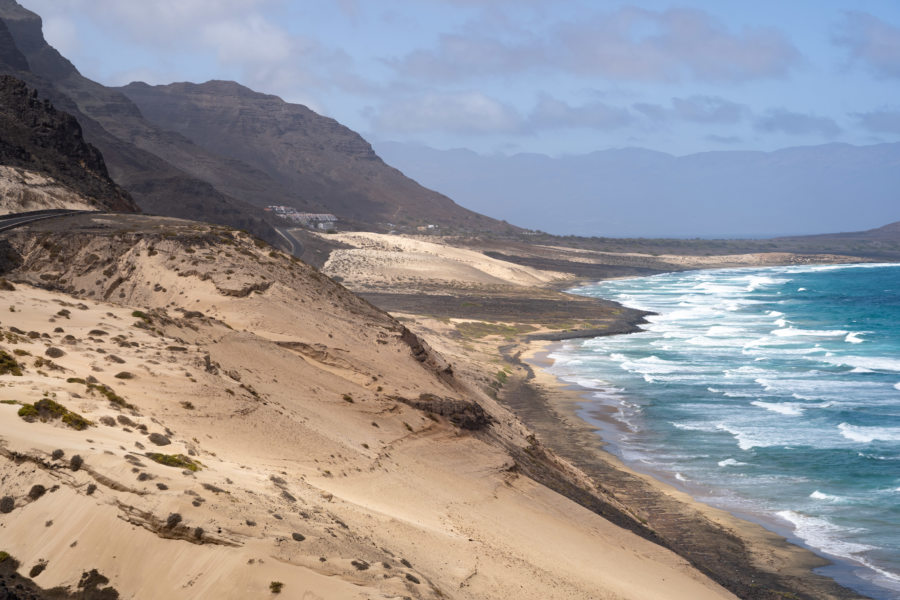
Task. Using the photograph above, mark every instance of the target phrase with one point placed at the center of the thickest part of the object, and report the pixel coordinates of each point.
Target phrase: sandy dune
(382, 258)
(293, 398)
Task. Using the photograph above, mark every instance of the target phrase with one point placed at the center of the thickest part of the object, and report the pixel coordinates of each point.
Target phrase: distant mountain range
(219, 152)
(641, 193)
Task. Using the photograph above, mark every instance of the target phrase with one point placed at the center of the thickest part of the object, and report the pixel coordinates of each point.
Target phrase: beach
(747, 558)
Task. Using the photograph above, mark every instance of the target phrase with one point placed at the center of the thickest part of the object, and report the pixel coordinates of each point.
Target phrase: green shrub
(107, 391)
(46, 409)
(28, 412)
(174, 460)
(275, 587)
(8, 364)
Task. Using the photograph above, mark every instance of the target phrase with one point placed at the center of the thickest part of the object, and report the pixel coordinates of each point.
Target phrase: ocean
(771, 392)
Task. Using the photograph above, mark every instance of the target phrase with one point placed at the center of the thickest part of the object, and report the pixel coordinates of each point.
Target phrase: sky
(523, 76)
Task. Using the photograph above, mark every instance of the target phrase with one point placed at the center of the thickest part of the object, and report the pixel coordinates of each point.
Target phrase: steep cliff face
(218, 151)
(112, 123)
(325, 165)
(41, 139)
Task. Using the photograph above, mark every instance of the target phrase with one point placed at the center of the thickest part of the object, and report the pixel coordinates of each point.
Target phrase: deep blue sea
(771, 392)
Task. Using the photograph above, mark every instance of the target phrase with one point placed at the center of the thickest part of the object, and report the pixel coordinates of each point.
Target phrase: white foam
(824, 535)
(680, 477)
(794, 332)
(817, 495)
(853, 338)
(744, 440)
(875, 363)
(802, 289)
(690, 427)
(730, 462)
(866, 435)
(782, 408)
(897, 386)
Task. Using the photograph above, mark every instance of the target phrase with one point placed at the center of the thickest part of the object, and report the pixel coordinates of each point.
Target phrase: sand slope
(293, 397)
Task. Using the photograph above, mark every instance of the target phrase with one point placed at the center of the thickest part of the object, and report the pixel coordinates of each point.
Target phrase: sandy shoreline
(452, 297)
(767, 546)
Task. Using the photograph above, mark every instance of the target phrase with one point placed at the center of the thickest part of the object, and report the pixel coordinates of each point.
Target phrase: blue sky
(563, 77)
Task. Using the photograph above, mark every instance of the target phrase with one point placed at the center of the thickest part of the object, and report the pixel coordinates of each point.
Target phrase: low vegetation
(174, 460)
(46, 410)
(9, 365)
(480, 329)
(105, 390)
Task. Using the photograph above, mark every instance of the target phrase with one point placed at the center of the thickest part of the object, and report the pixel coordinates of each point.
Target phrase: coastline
(744, 556)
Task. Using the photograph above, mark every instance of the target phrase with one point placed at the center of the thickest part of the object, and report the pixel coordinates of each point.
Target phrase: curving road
(18, 219)
(294, 243)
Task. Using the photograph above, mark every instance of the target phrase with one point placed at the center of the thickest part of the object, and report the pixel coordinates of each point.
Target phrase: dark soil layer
(519, 308)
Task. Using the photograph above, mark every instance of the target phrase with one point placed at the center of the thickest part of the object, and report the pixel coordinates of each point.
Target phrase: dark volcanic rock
(40, 138)
(112, 123)
(325, 166)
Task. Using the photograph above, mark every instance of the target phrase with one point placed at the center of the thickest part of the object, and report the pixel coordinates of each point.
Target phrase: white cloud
(871, 41)
(629, 44)
(794, 123)
(551, 113)
(461, 112)
(885, 120)
(707, 109)
(252, 40)
(673, 45)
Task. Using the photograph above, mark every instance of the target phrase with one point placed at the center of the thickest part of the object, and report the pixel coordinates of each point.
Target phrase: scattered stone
(54, 352)
(159, 439)
(37, 491)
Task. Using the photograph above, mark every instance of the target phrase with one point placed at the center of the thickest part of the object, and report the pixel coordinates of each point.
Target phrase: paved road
(294, 243)
(17, 220)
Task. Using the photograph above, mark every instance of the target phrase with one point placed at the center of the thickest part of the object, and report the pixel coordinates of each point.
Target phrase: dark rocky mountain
(218, 152)
(37, 137)
(320, 164)
(112, 123)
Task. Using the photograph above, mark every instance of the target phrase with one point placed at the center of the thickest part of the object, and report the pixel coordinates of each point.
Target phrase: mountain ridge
(644, 193)
(321, 164)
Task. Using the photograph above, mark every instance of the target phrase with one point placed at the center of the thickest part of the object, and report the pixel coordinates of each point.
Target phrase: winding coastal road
(12, 221)
(294, 243)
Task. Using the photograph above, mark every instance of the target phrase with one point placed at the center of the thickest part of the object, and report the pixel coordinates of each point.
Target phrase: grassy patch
(46, 409)
(480, 329)
(9, 365)
(174, 460)
(107, 391)
(275, 587)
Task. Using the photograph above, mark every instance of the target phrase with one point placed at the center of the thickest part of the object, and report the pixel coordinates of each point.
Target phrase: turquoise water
(771, 392)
